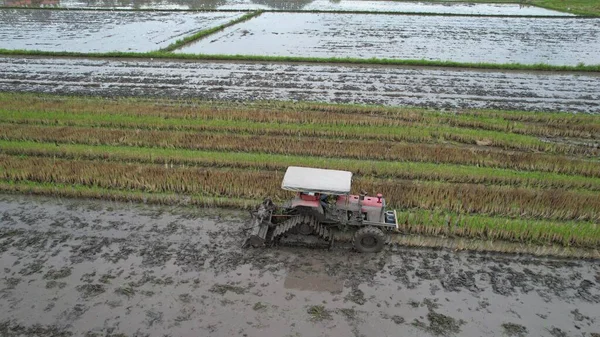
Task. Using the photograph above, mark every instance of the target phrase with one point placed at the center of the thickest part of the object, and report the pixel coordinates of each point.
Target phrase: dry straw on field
(413, 125)
(382, 150)
(243, 188)
(405, 132)
(525, 123)
(380, 169)
(461, 198)
(564, 126)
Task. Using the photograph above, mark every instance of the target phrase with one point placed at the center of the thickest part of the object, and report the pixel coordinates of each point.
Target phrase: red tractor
(323, 202)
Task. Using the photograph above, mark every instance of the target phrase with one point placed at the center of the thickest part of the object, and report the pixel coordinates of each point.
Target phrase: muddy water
(71, 267)
(89, 31)
(461, 39)
(427, 87)
(324, 5)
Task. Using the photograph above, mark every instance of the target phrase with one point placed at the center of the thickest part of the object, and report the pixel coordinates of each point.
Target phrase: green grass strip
(580, 7)
(112, 9)
(404, 62)
(181, 42)
(299, 59)
(567, 233)
(382, 169)
(412, 133)
(408, 13)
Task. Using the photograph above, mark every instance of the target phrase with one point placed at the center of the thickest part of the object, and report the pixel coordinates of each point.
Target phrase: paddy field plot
(432, 7)
(440, 38)
(358, 84)
(468, 8)
(91, 31)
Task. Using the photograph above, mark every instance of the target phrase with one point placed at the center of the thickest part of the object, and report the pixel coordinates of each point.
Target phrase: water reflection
(138, 4)
(296, 5)
(180, 4)
(32, 3)
(283, 5)
(313, 276)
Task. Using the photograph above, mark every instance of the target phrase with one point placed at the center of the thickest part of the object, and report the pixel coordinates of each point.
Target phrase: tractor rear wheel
(369, 240)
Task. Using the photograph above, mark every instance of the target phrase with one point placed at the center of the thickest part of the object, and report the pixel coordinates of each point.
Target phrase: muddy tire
(304, 228)
(369, 240)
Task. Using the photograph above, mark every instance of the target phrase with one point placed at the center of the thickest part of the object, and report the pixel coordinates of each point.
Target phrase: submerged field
(499, 7)
(488, 41)
(492, 175)
(432, 38)
(105, 31)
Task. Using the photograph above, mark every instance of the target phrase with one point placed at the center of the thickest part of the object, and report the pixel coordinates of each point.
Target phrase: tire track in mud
(84, 267)
(360, 84)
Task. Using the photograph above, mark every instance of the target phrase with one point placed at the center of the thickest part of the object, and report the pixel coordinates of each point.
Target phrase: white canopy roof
(304, 179)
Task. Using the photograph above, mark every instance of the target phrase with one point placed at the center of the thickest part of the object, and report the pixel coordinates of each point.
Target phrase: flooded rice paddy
(90, 268)
(104, 31)
(439, 38)
(307, 5)
(429, 7)
(447, 88)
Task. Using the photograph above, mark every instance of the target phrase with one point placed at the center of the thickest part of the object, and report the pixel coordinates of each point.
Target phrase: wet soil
(90, 268)
(322, 5)
(447, 88)
(439, 38)
(92, 31)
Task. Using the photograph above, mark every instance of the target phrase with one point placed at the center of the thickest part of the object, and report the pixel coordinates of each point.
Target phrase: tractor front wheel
(369, 240)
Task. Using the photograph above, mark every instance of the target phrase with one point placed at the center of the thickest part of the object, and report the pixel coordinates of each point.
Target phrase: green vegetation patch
(540, 232)
(581, 7)
(181, 42)
(299, 59)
